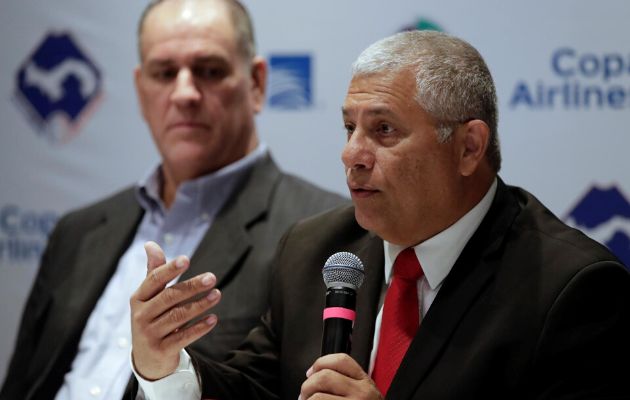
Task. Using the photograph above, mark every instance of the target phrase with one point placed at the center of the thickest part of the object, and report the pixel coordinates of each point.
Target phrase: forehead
(381, 93)
(186, 28)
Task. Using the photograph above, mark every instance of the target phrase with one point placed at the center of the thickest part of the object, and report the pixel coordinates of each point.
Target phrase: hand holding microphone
(343, 275)
(336, 373)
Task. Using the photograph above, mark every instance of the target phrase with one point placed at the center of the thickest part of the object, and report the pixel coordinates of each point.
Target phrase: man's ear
(259, 82)
(137, 77)
(473, 137)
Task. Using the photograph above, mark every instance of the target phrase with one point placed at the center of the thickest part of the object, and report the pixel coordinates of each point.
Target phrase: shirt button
(122, 342)
(168, 239)
(205, 216)
(95, 391)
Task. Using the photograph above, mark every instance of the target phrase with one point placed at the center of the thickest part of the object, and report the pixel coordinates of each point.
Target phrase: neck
(168, 188)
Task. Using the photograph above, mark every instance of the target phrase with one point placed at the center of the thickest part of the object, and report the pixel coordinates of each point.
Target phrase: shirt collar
(438, 254)
(204, 191)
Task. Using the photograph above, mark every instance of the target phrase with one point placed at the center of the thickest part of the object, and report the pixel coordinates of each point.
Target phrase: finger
(181, 338)
(155, 255)
(326, 382)
(338, 375)
(180, 307)
(158, 277)
(342, 363)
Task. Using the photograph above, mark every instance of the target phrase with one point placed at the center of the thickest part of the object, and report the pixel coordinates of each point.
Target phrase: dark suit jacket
(84, 249)
(532, 309)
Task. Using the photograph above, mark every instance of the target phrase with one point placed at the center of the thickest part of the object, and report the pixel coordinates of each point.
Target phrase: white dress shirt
(437, 255)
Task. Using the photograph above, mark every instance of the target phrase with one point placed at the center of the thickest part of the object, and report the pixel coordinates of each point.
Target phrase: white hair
(453, 83)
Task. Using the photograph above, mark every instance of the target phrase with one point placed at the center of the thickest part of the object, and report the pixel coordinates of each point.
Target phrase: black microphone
(343, 275)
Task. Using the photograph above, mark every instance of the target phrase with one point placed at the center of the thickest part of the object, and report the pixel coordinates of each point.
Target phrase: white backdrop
(71, 132)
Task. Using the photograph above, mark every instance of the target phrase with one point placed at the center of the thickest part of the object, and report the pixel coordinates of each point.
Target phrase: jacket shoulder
(95, 212)
(294, 195)
(540, 229)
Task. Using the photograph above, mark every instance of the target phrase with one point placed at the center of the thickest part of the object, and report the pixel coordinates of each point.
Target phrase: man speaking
(472, 290)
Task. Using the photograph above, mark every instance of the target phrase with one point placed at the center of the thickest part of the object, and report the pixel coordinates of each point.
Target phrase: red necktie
(400, 318)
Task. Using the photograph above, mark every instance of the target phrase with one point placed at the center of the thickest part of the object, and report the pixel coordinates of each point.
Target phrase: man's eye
(349, 128)
(209, 73)
(164, 75)
(385, 128)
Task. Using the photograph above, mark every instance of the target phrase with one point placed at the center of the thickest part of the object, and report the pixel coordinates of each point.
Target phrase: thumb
(155, 255)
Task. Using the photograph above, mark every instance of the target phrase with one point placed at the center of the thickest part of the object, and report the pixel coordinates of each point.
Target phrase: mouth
(361, 191)
(188, 125)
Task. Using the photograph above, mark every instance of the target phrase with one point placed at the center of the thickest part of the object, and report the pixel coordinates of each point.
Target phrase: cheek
(154, 105)
(409, 180)
(403, 171)
(234, 92)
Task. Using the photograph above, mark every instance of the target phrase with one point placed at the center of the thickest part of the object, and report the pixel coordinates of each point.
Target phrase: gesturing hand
(161, 316)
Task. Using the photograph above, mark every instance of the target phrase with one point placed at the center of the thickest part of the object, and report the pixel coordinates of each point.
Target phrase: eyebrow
(373, 111)
(162, 62)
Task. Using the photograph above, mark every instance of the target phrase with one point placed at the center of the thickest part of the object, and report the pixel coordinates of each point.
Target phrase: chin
(365, 220)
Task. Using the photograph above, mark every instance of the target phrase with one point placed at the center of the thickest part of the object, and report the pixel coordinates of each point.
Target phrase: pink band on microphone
(339, 312)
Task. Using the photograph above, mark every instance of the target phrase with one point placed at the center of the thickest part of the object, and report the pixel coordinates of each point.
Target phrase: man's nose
(358, 153)
(185, 92)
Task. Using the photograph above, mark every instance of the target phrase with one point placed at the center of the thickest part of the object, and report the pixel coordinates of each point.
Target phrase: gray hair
(453, 83)
(241, 21)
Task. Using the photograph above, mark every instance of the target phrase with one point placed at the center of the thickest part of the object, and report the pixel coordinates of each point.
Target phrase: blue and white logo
(604, 215)
(290, 81)
(56, 85)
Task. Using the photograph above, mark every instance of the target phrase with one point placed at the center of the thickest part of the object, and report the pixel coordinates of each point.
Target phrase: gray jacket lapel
(228, 241)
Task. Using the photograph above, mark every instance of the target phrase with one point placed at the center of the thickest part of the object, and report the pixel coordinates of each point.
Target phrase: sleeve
(181, 384)
(251, 372)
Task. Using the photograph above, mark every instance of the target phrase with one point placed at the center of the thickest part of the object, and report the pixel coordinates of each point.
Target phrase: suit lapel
(371, 253)
(98, 255)
(228, 240)
(467, 279)
(97, 258)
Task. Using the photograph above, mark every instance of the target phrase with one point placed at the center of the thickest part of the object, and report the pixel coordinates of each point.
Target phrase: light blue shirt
(101, 367)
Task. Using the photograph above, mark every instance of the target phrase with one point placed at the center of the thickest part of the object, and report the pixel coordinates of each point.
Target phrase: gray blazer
(86, 245)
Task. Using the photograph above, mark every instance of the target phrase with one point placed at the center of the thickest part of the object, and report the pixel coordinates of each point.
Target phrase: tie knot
(407, 266)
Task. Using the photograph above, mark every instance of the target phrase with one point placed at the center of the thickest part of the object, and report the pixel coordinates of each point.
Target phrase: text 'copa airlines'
(586, 80)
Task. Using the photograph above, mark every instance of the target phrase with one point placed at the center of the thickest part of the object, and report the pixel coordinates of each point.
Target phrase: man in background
(473, 289)
(216, 195)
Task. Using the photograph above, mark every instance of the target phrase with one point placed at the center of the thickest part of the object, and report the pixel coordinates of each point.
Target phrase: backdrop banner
(72, 133)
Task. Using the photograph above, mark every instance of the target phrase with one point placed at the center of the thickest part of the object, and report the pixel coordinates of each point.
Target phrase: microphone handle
(338, 320)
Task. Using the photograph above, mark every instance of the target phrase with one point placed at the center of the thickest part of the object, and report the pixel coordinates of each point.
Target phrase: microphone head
(343, 269)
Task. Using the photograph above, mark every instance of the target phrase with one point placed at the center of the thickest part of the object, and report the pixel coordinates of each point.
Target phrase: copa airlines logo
(23, 234)
(56, 86)
(290, 82)
(604, 215)
(584, 80)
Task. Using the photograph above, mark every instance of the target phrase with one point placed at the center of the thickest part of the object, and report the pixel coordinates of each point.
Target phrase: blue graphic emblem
(604, 215)
(56, 85)
(423, 24)
(290, 82)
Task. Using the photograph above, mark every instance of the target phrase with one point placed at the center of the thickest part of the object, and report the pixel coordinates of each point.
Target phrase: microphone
(343, 275)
